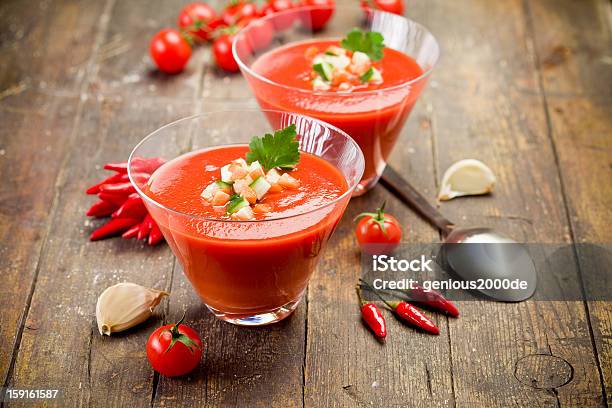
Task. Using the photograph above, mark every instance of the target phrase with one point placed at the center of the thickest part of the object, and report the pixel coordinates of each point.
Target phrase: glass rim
(152, 201)
(247, 69)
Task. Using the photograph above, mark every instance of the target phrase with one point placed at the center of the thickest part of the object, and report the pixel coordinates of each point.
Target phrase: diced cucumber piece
(242, 183)
(318, 84)
(261, 187)
(339, 62)
(226, 174)
(222, 185)
(236, 203)
(256, 170)
(241, 162)
(273, 176)
(244, 214)
(376, 76)
(324, 69)
(210, 190)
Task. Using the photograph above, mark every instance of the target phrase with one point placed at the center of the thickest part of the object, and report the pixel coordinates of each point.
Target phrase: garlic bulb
(466, 177)
(125, 305)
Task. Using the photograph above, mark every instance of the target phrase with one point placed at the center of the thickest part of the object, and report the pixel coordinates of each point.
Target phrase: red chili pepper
(101, 209)
(373, 317)
(118, 167)
(125, 188)
(115, 178)
(145, 227)
(132, 232)
(155, 236)
(113, 227)
(414, 316)
(433, 299)
(117, 199)
(132, 208)
(407, 312)
(148, 165)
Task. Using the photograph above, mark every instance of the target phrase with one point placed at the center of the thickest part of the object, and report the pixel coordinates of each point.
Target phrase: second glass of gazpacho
(247, 200)
(361, 73)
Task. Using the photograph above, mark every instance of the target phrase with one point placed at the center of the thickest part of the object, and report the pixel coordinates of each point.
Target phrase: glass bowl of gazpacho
(247, 201)
(360, 74)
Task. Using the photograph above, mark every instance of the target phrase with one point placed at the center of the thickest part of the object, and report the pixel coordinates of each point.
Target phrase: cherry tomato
(174, 350)
(213, 26)
(260, 33)
(222, 50)
(390, 6)
(170, 51)
(378, 233)
(235, 12)
(265, 10)
(317, 18)
(194, 19)
(282, 22)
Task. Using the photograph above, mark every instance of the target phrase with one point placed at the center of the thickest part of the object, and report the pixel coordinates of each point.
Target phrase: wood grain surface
(524, 85)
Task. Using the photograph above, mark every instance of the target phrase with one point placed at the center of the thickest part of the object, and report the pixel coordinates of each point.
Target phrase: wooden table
(523, 85)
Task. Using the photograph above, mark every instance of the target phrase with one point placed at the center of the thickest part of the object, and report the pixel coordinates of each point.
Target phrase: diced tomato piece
(262, 208)
(220, 198)
(288, 182)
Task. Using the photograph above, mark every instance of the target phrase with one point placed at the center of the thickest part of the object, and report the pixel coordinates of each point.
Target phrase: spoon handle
(397, 185)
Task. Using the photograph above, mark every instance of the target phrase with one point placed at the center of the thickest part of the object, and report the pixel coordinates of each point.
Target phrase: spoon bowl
(501, 267)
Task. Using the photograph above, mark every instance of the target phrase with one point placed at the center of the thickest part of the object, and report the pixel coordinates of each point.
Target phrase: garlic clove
(125, 305)
(466, 177)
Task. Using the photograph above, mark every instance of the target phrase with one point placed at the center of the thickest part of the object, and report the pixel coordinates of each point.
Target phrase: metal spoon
(473, 253)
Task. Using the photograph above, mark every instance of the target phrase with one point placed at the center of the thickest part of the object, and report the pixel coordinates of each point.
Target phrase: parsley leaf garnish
(370, 43)
(278, 150)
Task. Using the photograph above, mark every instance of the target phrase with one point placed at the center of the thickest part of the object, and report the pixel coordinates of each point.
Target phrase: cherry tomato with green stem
(237, 10)
(194, 19)
(174, 349)
(170, 51)
(378, 232)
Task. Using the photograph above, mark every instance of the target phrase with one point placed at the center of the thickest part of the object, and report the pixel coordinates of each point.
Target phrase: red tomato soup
(374, 119)
(246, 268)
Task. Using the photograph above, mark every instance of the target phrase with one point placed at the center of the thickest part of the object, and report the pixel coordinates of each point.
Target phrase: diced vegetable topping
(348, 67)
(244, 185)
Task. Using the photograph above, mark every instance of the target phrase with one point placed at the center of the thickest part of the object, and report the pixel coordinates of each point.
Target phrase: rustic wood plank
(487, 105)
(572, 44)
(104, 371)
(39, 99)
(345, 365)
(125, 65)
(73, 272)
(254, 367)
